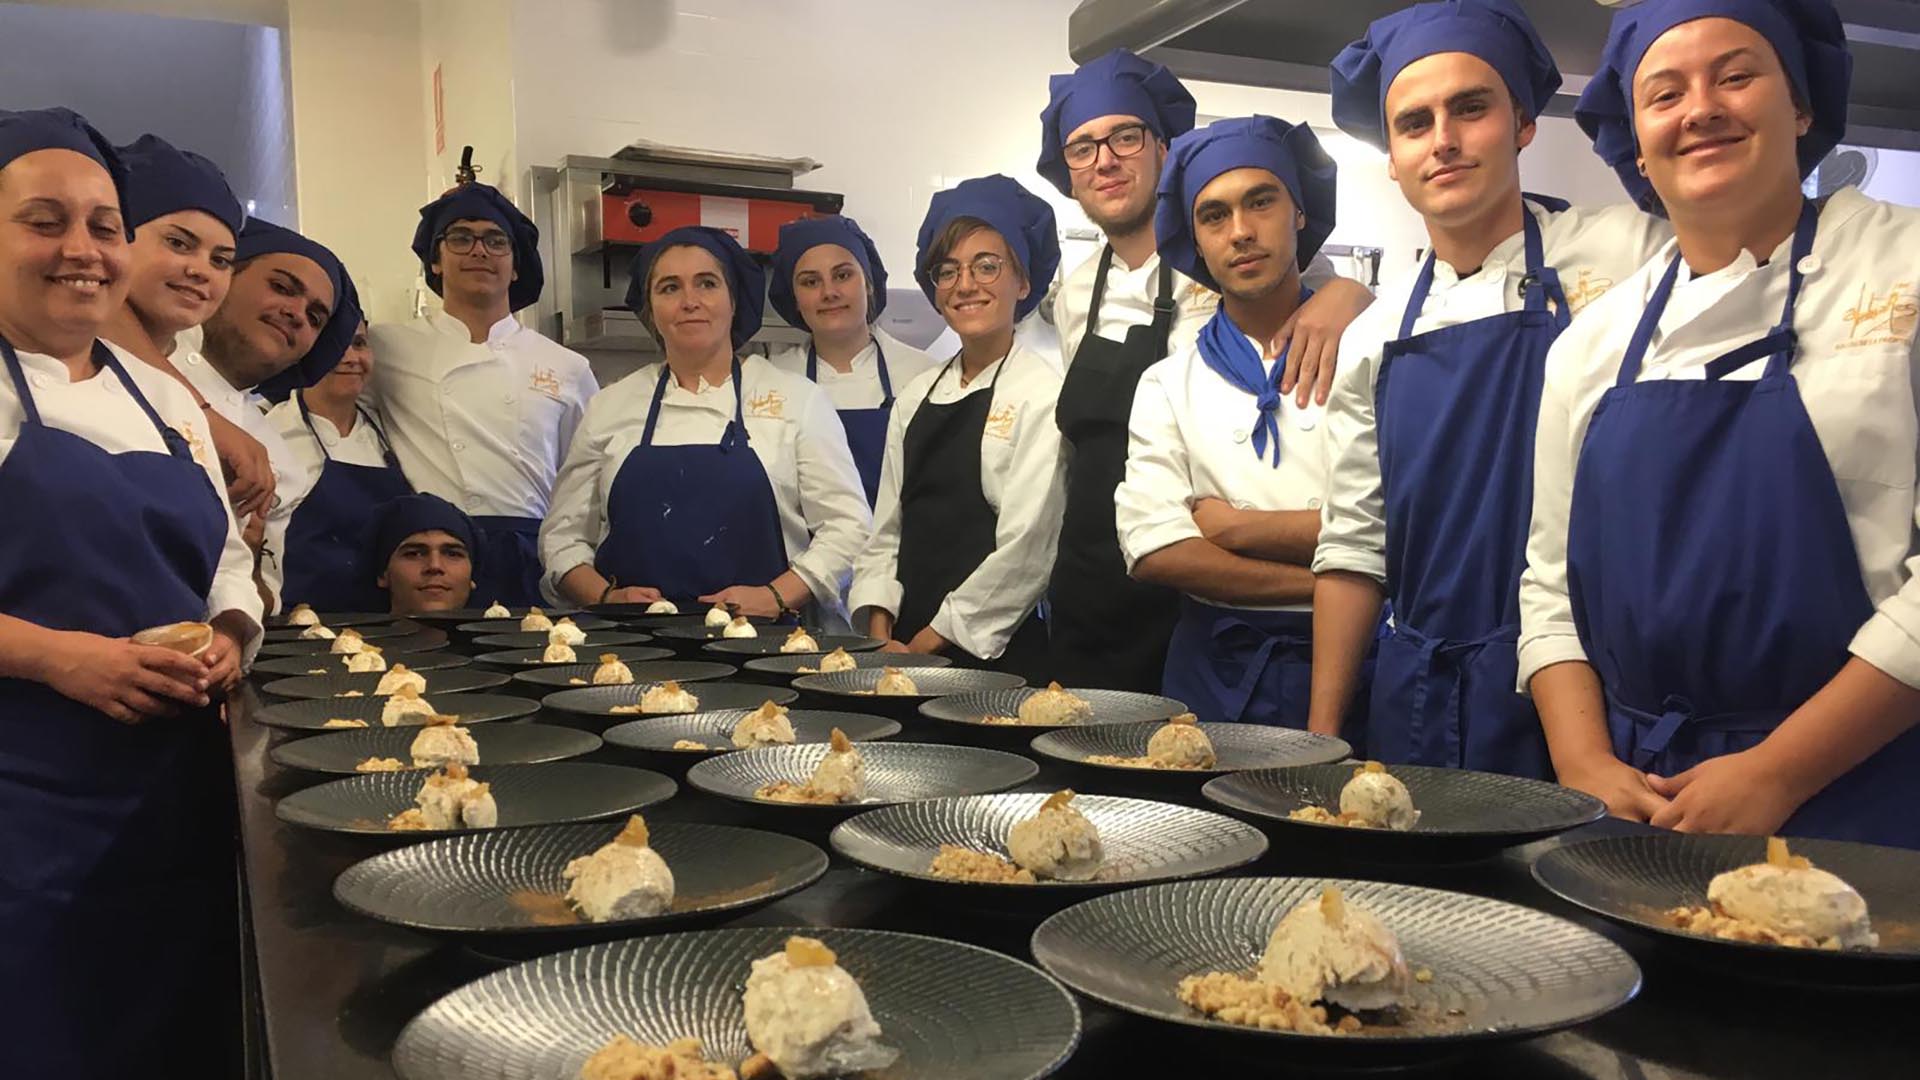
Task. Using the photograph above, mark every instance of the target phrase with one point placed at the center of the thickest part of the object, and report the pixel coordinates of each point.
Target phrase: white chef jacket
(1591, 249)
(1129, 301)
(484, 426)
(791, 428)
(101, 411)
(860, 387)
(246, 410)
(1190, 438)
(1022, 476)
(359, 446)
(1855, 318)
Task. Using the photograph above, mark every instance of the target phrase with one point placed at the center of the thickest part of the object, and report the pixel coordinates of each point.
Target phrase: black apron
(1107, 629)
(947, 526)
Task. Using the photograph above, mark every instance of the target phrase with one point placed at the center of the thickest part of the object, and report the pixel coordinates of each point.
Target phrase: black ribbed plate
(491, 627)
(453, 681)
(312, 714)
(931, 682)
(1236, 747)
(330, 664)
(390, 627)
(422, 641)
(790, 666)
(335, 619)
(599, 701)
(896, 773)
(955, 1012)
(769, 642)
(538, 640)
(518, 660)
(456, 617)
(715, 729)
(1109, 707)
(1511, 972)
(1463, 814)
(694, 627)
(561, 676)
(1633, 880)
(500, 744)
(511, 882)
(1141, 841)
(552, 794)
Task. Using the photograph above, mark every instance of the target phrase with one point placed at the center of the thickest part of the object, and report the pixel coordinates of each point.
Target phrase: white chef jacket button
(1810, 264)
(446, 391)
(1313, 504)
(39, 382)
(1239, 435)
(458, 445)
(507, 400)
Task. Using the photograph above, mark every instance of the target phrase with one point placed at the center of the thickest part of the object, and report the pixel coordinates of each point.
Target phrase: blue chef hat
(482, 202)
(1117, 84)
(163, 179)
(1496, 31)
(1806, 34)
(23, 132)
(746, 281)
(408, 514)
(799, 237)
(1023, 220)
(262, 237)
(1289, 151)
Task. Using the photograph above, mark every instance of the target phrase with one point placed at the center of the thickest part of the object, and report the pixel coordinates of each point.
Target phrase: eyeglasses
(461, 241)
(1123, 141)
(984, 268)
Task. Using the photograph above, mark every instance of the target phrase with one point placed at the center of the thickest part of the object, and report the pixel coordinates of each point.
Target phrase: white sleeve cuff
(879, 595)
(826, 593)
(1144, 540)
(1545, 651)
(1351, 559)
(563, 560)
(1885, 644)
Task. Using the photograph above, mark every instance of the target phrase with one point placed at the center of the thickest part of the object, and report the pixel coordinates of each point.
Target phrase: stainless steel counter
(333, 990)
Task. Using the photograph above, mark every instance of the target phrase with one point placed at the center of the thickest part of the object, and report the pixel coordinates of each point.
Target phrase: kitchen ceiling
(1287, 44)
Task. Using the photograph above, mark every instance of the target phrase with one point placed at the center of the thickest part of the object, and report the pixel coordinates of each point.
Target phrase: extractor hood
(1286, 44)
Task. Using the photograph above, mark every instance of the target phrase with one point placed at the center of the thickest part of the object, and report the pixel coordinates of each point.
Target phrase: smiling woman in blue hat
(710, 476)
(827, 279)
(1719, 609)
(116, 877)
(973, 483)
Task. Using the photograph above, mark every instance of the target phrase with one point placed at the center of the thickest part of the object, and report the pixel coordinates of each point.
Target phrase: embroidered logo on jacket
(1584, 289)
(771, 405)
(1878, 318)
(545, 381)
(1001, 420)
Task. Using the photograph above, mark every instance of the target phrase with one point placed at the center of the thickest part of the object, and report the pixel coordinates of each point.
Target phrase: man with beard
(481, 409)
(288, 318)
(1104, 139)
(1243, 205)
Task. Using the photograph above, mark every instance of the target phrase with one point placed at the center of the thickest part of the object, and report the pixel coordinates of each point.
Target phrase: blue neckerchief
(1231, 356)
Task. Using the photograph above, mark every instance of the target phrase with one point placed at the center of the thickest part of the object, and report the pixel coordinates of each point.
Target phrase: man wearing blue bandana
(1243, 205)
(1719, 610)
(1103, 141)
(1430, 426)
(479, 408)
(288, 318)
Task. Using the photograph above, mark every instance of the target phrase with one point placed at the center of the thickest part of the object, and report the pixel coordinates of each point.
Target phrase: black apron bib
(947, 526)
(1107, 629)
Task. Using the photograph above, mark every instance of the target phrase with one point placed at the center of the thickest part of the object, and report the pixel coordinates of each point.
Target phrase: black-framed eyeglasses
(1125, 141)
(461, 241)
(984, 268)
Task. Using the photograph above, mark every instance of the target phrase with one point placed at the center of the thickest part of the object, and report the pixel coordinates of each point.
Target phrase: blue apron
(1241, 666)
(1455, 410)
(1712, 573)
(117, 912)
(326, 562)
(866, 428)
(692, 520)
(508, 570)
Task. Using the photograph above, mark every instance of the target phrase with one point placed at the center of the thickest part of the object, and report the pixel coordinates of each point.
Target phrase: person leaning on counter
(827, 279)
(972, 484)
(708, 477)
(481, 409)
(1225, 471)
(117, 914)
(337, 445)
(423, 552)
(1719, 607)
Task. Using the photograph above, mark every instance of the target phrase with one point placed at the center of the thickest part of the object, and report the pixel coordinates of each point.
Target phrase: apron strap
(176, 442)
(886, 381)
(1417, 300)
(736, 433)
(1678, 714)
(1541, 285)
(19, 377)
(1432, 647)
(306, 417)
(1099, 296)
(1163, 309)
